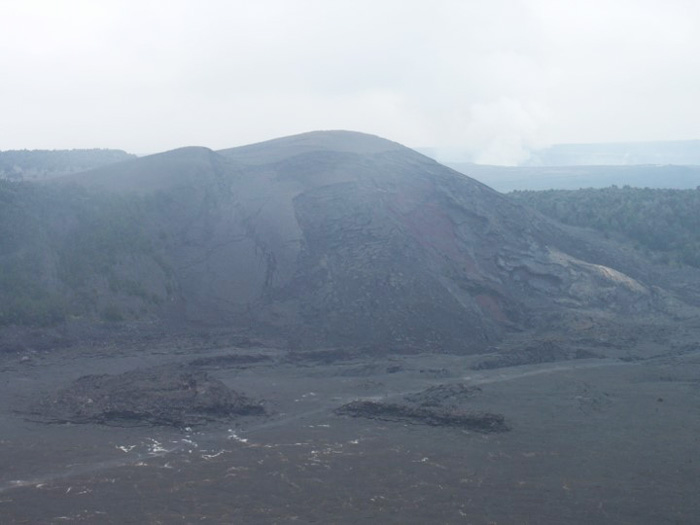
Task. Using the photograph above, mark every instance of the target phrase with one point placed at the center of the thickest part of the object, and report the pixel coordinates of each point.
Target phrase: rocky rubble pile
(168, 395)
(438, 417)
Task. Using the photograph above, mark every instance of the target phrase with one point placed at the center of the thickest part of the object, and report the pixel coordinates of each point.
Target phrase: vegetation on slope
(664, 223)
(60, 246)
(41, 164)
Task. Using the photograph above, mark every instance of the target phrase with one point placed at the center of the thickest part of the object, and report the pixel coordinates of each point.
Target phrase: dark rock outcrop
(476, 421)
(169, 395)
(444, 405)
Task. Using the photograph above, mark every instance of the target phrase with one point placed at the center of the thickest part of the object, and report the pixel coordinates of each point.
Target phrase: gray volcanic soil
(608, 439)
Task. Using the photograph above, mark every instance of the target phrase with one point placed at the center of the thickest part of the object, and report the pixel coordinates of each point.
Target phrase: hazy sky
(493, 77)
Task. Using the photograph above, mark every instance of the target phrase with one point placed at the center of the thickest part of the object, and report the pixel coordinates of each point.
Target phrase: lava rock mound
(438, 417)
(168, 395)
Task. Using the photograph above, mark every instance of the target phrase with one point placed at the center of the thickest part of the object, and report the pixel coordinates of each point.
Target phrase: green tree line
(663, 222)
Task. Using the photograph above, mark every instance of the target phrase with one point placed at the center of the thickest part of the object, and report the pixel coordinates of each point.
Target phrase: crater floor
(605, 439)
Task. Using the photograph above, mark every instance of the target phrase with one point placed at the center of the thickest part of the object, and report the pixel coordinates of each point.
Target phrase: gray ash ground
(604, 440)
(451, 395)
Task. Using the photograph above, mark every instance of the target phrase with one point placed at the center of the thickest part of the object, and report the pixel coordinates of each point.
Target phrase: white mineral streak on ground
(236, 437)
(212, 456)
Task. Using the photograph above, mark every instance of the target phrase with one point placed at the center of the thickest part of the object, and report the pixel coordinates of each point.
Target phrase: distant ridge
(680, 152)
(178, 167)
(45, 164)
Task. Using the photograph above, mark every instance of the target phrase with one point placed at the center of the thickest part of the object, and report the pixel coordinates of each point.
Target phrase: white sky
(494, 77)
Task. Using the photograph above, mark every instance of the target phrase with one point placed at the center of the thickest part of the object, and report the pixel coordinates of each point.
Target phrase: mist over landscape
(314, 262)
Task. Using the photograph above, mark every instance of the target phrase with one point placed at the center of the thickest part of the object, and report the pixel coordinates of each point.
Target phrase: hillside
(69, 253)
(325, 238)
